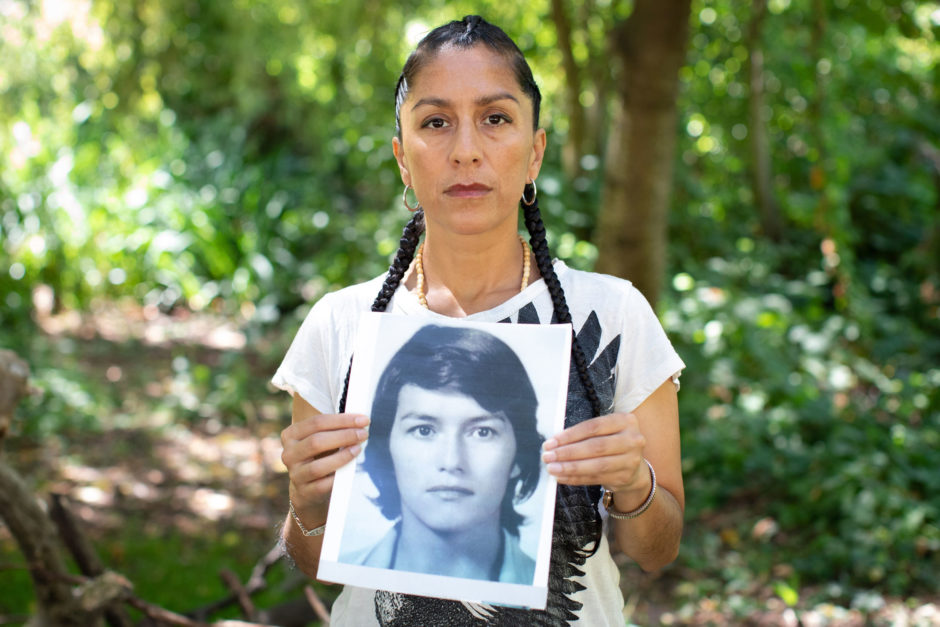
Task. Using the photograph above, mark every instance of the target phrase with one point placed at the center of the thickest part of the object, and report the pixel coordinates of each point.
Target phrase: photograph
(450, 488)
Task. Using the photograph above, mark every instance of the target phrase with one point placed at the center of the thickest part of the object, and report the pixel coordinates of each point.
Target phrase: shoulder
(517, 566)
(341, 307)
(602, 294)
(585, 281)
(358, 295)
(379, 555)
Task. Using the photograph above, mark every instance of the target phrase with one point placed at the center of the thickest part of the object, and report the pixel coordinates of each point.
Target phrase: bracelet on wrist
(608, 499)
(316, 531)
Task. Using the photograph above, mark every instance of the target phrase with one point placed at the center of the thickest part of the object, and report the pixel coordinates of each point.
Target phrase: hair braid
(579, 496)
(543, 258)
(407, 246)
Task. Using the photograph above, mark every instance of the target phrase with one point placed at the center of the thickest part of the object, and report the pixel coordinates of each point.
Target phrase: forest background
(180, 180)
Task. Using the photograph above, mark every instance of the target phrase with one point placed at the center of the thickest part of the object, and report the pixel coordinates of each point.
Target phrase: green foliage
(812, 391)
(160, 157)
(786, 412)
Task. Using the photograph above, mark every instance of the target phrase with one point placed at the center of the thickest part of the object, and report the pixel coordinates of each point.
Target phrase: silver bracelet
(316, 531)
(608, 499)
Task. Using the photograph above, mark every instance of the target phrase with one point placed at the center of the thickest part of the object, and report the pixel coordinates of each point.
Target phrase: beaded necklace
(419, 271)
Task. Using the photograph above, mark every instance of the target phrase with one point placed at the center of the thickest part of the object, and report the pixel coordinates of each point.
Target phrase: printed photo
(450, 487)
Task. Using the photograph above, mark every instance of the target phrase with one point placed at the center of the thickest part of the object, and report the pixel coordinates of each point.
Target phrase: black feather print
(576, 528)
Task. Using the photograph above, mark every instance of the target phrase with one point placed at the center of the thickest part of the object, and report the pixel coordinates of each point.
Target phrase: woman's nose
(466, 148)
(451, 454)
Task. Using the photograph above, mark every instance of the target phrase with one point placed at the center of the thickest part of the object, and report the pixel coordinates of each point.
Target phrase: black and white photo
(450, 487)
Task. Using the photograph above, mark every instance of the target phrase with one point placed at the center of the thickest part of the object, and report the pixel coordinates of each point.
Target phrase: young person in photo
(453, 448)
(469, 150)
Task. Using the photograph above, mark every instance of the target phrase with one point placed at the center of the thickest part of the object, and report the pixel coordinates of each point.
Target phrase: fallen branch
(36, 538)
(64, 599)
(103, 591)
(256, 582)
(84, 554)
(317, 604)
(166, 617)
(231, 580)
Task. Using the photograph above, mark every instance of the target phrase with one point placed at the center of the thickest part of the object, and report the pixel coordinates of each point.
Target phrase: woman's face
(467, 143)
(452, 459)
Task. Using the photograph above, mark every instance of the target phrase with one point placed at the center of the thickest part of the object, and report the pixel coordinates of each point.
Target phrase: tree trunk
(574, 146)
(641, 147)
(14, 385)
(761, 163)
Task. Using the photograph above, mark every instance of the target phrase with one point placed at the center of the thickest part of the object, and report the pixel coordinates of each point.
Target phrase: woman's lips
(449, 493)
(471, 190)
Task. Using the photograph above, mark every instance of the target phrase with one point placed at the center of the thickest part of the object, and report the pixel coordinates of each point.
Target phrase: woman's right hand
(315, 446)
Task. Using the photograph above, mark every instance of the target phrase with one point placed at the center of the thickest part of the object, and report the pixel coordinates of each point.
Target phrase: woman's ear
(538, 153)
(514, 482)
(399, 152)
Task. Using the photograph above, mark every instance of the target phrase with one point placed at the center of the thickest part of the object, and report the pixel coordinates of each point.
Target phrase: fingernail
(362, 421)
(554, 469)
(362, 434)
(549, 444)
(355, 449)
(548, 457)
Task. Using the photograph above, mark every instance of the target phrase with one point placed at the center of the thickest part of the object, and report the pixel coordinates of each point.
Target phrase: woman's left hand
(607, 451)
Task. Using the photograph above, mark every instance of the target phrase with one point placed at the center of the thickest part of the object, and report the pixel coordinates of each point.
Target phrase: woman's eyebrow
(481, 101)
(418, 416)
(486, 418)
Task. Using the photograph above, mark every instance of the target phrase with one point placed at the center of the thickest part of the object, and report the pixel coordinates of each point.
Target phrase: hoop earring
(404, 200)
(535, 192)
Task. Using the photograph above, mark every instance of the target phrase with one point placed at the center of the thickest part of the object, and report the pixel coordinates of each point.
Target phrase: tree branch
(231, 580)
(36, 538)
(317, 604)
(82, 552)
(14, 385)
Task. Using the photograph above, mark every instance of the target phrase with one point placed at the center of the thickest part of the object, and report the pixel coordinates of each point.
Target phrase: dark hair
(463, 34)
(464, 361)
(466, 33)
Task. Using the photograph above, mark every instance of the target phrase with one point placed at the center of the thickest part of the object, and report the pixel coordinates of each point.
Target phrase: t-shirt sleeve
(308, 367)
(647, 357)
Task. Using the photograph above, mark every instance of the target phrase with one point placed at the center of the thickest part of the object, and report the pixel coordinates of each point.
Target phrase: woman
(453, 447)
(470, 148)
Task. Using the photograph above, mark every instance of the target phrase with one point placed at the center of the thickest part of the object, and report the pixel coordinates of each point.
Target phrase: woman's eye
(421, 431)
(484, 433)
(435, 123)
(497, 119)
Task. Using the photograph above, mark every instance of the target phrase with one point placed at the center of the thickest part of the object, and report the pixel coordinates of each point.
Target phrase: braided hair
(407, 246)
(533, 223)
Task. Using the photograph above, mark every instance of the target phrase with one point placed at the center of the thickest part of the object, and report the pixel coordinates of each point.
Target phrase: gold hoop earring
(535, 192)
(404, 200)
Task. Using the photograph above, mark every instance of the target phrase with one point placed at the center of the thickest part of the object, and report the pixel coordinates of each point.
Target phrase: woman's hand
(607, 451)
(315, 446)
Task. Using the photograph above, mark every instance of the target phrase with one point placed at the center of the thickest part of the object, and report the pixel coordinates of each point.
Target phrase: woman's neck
(471, 554)
(464, 275)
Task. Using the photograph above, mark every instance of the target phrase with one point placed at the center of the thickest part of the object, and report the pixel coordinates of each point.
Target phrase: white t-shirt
(629, 357)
